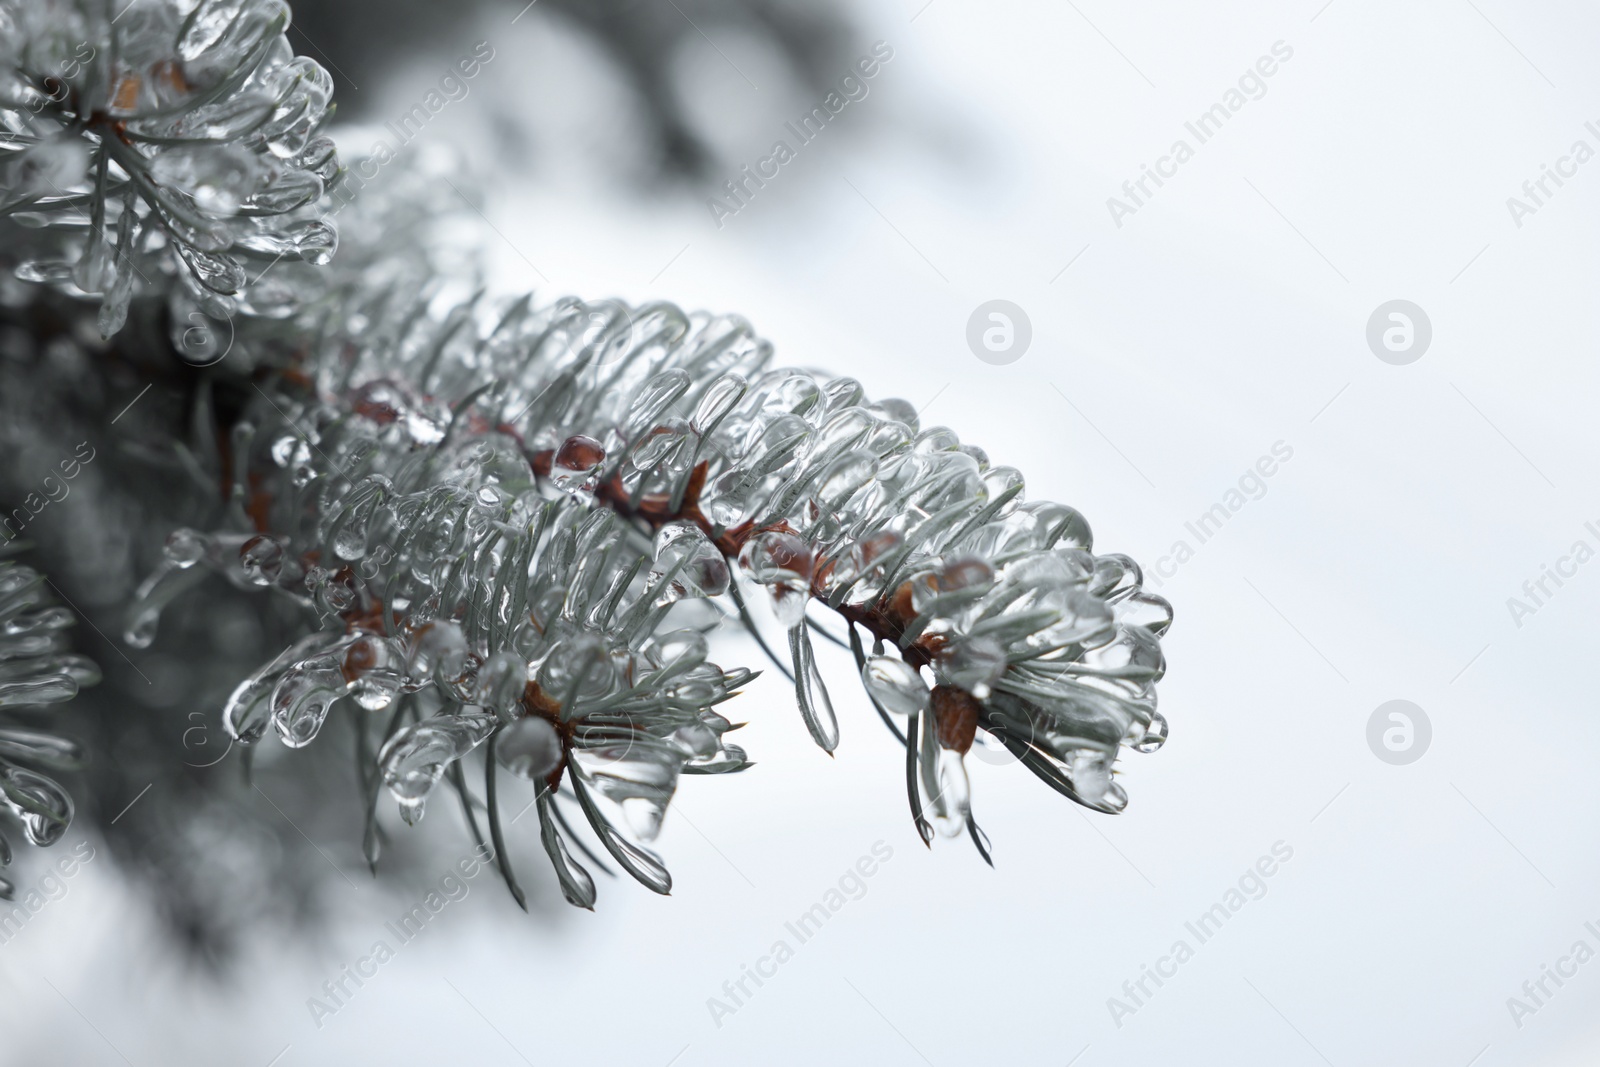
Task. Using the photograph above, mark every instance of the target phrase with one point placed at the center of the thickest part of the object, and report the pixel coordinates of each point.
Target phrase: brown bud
(955, 717)
(579, 453)
(360, 658)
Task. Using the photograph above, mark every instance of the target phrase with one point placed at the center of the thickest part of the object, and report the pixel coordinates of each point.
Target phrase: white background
(1227, 314)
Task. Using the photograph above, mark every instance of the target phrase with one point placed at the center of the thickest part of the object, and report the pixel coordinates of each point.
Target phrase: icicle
(415, 758)
(42, 806)
(811, 692)
(576, 884)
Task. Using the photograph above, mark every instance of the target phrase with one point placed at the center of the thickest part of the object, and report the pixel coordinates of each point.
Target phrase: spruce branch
(506, 510)
(165, 147)
(499, 521)
(36, 670)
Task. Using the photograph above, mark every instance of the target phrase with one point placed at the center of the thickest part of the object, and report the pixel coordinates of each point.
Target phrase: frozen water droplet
(320, 156)
(96, 268)
(301, 700)
(1085, 619)
(576, 464)
(1134, 653)
(576, 884)
(719, 399)
(289, 190)
(186, 547)
(728, 499)
(218, 177)
(654, 396)
(284, 448)
(218, 272)
(962, 579)
(580, 661)
(1145, 609)
(899, 410)
(349, 529)
(1155, 735)
(1114, 576)
(314, 242)
(844, 477)
(42, 806)
(998, 481)
(261, 558)
(792, 393)
(669, 446)
(23, 744)
(351, 541)
(168, 580)
(438, 653)
(1090, 771)
(414, 759)
(843, 392)
(114, 308)
(789, 603)
(141, 629)
(699, 687)
(698, 568)
(973, 664)
(249, 710)
(372, 667)
(641, 778)
(1059, 525)
(863, 565)
(678, 650)
(529, 748)
(334, 589)
(412, 808)
(500, 683)
(44, 271)
(895, 684)
(783, 563)
(697, 740)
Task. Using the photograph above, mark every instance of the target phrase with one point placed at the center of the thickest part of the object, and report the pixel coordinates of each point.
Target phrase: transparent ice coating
(36, 670)
(499, 508)
(165, 147)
